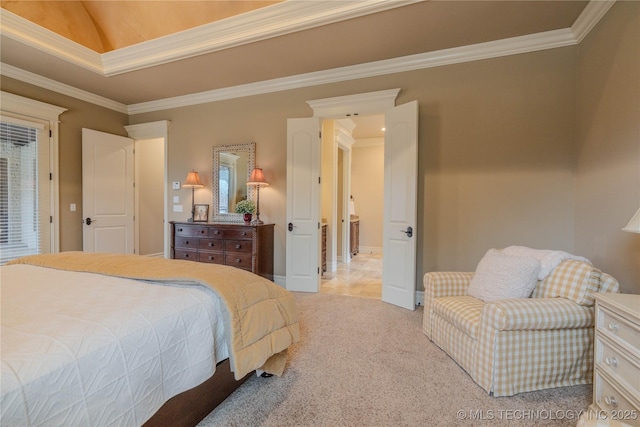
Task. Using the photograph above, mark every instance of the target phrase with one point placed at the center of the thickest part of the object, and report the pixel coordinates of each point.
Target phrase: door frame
(154, 130)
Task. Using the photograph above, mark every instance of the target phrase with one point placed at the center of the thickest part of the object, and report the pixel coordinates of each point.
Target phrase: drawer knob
(216, 232)
(210, 257)
(180, 229)
(244, 233)
(237, 260)
(611, 401)
(238, 246)
(186, 255)
(186, 242)
(210, 244)
(614, 326)
(612, 361)
(203, 231)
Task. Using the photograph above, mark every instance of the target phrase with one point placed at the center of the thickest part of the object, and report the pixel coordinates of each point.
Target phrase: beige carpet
(362, 362)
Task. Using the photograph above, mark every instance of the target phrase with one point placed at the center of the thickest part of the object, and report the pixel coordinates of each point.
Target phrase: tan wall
(495, 151)
(79, 114)
(150, 186)
(608, 144)
(367, 189)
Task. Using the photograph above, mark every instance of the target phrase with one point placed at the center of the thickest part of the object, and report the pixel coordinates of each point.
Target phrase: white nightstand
(616, 377)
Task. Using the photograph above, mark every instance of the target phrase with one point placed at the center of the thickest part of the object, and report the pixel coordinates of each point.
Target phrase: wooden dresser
(616, 383)
(249, 247)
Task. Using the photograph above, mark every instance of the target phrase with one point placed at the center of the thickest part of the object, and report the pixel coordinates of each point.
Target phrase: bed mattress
(83, 349)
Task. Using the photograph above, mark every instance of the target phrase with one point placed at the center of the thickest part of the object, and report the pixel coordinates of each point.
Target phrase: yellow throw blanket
(263, 320)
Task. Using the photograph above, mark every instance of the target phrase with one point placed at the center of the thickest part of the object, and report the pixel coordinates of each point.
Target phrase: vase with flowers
(247, 208)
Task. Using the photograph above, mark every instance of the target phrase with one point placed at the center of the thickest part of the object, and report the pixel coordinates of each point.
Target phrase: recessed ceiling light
(383, 129)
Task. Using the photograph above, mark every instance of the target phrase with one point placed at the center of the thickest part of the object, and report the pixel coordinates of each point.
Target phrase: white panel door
(107, 192)
(400, 205)
(303, 205)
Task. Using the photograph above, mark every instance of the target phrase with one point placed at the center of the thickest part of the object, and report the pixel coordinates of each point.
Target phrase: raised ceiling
(145, 61)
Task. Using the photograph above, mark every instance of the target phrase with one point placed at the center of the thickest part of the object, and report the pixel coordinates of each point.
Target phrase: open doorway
(353, 241)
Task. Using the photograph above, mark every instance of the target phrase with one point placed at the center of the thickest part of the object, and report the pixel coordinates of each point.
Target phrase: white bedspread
(81, 349)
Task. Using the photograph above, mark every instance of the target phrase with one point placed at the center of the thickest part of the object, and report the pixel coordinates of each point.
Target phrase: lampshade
(257, 178)
(634, 224)
(193, 180)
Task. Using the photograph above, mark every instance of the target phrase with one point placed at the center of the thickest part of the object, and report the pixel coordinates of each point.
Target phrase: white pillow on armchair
(501, 276)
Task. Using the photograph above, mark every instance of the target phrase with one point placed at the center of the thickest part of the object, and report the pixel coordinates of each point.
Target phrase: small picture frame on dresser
(201, 213)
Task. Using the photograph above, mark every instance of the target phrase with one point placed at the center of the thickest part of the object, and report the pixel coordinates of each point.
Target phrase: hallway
(361, 277)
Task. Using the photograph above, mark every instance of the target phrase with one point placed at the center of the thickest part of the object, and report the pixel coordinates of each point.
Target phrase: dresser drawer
(217, 232)
(186, 242)
(613, 326)
(186, 254)
(236, 233)
(211, 257)
(238, 246)
(238, 260)
(617, 364)
(207, 244)
(191, 230)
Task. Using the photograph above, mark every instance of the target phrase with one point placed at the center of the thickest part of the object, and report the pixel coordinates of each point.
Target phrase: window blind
(20, 223)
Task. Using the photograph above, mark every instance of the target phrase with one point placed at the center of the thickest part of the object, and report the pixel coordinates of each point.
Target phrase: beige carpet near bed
(362, 362)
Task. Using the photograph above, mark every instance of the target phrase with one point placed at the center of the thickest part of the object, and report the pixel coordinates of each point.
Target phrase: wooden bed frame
(188, 408)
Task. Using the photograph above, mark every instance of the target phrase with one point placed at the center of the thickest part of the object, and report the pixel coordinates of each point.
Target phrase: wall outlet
(176, 199)
(72, 207)
(176, 185)
(177, 208)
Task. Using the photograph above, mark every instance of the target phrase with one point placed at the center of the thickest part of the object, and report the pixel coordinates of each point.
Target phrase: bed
(123, 340)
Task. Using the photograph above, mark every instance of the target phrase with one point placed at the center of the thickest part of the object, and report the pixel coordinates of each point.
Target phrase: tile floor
(361, 277)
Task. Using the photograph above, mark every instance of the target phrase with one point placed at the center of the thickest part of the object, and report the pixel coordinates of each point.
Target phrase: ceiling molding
(49, 84)
(593, 12)
(590, 16)
(494, 49)
(272, 21)
(30, 34)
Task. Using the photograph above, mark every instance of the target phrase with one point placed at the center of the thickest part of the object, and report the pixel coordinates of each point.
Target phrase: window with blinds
(21, 228)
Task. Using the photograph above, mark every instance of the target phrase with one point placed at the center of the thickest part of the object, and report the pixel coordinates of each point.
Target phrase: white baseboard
(158, 255)
(374, 250)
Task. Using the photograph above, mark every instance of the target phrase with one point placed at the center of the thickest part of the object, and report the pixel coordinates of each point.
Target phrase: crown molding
(590, 16)
(30, 34)
(260, 24)
(272, 21)
(494, 49)
(49, 84)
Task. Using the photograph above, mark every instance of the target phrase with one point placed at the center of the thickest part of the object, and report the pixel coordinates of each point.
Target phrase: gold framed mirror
(232, 166)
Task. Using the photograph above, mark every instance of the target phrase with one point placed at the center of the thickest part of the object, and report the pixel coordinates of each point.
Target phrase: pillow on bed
(501, 276)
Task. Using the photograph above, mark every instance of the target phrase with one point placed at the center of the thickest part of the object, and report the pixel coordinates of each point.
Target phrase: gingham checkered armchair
(512, 346)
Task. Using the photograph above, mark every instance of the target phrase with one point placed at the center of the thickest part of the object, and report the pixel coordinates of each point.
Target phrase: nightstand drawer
(211, 257)
(613, 326)
(238, 246)
(615, 403)
(186, 254)
(186, 242)
(617, 364)
(238, 260)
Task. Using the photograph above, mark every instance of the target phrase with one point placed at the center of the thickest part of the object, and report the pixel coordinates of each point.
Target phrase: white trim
(374, 250)
(493, 49)
(589, 17)
(261, 24)
(25, 107)
(33, 35)
(369, 142)
(45, 83)
(153, 130)
(362, 103)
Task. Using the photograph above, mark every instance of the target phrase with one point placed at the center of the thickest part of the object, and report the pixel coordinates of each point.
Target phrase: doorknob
(408, 231)
(290, 227)
(88, 221)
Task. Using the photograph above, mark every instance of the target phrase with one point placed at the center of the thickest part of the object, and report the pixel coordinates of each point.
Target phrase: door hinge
(50, 134)
(318, 226)
(320, 134)
(50, 219)
(318, 180)
(318, 270)
(50, 176)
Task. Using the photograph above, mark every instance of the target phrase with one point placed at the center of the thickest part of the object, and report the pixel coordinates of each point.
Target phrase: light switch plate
(176, 199)
(177, 208)
(176, 185)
